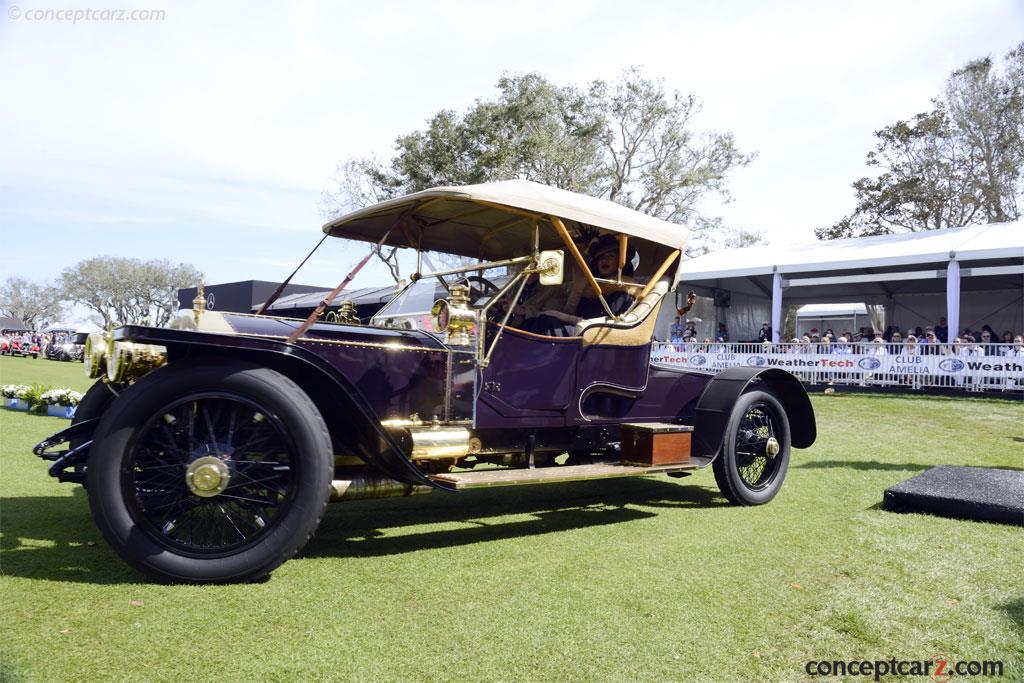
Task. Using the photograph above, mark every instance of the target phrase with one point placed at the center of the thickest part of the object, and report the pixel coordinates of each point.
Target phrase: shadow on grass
(864, 465)
(359, 529)
(888, 466)
(1015, 610)
(53, 538)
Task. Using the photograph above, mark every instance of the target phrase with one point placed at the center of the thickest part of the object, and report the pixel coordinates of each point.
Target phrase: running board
(558, 474)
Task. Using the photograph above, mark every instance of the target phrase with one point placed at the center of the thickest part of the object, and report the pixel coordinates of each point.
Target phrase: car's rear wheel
(209, 472)
(755, 450)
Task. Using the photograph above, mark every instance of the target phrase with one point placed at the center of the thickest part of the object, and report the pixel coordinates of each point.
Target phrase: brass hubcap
(207, 476)
(772, 447)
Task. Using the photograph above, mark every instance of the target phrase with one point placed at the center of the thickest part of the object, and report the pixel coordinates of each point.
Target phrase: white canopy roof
(979, 242)
(827, 310)
(474, 220)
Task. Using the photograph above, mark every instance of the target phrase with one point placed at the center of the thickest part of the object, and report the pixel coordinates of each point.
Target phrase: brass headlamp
(95, 354)
(454, 317)
(128, 360)
(120, 361)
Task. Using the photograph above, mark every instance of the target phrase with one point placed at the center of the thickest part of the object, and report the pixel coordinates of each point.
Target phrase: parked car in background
(23, 347)
(210, 449)
(65, 350)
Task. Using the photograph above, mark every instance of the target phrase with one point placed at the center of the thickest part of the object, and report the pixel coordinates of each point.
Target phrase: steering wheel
(484, 288)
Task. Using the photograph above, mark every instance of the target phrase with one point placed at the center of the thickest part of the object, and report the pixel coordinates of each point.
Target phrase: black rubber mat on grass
(981, 493)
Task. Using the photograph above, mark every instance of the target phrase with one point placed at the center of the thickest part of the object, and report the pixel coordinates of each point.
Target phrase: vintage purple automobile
(210, 449)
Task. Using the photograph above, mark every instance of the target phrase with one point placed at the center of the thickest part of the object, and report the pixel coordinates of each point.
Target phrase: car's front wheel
(210, 472)
(755, 450)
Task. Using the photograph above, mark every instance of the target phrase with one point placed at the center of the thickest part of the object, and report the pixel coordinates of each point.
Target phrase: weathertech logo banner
(939, 668)
(934, 365)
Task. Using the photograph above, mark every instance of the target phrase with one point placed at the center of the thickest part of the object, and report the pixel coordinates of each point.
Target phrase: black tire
(745, 472)
(276, 483)
(94, 403)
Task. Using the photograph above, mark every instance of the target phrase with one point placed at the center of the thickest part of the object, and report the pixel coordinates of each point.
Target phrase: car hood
(269, 327)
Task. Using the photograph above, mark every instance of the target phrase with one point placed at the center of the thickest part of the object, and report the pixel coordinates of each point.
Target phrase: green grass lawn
(613, 580)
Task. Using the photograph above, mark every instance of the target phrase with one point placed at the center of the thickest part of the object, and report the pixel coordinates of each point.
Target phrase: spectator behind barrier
(1017, 350)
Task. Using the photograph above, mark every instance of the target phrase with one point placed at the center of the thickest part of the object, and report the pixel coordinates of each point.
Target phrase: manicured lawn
(644, 580)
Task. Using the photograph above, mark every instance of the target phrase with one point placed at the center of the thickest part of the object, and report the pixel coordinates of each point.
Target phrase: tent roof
(979, 242)
(366, 295)
(812, 310)
(473, 220)
(8, 323)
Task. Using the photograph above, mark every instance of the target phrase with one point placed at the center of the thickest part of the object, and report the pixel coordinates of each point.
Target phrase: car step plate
(558, 474)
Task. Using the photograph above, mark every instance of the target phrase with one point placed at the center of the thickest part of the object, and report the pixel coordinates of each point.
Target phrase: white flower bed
(54, 397)
(15, 390)
(61, 397)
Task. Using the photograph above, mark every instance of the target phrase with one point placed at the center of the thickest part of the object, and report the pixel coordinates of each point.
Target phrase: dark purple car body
(210, 448)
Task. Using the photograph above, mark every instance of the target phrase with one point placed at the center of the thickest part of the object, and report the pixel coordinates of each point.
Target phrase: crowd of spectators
(928, 340)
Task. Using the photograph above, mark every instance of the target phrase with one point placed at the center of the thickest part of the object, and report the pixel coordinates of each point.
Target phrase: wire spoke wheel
(755, 453)
(210, 474)
(757, 447)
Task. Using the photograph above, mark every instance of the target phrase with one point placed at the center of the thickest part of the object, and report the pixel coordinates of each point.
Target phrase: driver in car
(581, 302)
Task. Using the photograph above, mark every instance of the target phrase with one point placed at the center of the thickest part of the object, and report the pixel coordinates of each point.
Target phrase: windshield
(411, 309)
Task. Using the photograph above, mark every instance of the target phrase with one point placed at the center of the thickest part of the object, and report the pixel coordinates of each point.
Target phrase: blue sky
(208, 137)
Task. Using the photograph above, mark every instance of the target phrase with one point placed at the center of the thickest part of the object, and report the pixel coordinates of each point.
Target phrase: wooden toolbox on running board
(655, 443)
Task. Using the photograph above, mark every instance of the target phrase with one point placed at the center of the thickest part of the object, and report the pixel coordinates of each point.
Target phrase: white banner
(947, 365)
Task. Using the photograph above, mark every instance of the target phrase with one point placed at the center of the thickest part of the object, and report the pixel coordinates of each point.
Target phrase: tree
(988, 112)
(126, 290)
(33, 303)
(629, 141)
(961, 163)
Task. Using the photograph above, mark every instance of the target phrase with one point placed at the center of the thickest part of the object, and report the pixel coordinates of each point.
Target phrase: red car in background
(20, 347)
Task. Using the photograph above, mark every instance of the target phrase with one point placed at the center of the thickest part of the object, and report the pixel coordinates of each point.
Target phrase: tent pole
(953, 298)
(776, 306)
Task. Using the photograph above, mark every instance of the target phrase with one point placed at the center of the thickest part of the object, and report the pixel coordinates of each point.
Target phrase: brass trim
(362, 487)
(129, 360)
(439, 443)
(207, 476)
(563, 232)
(199, 303)
(657, 274)
(95, 355)
(555, 475)
(379, 345)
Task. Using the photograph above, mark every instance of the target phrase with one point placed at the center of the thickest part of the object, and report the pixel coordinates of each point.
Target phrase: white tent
(971, 275)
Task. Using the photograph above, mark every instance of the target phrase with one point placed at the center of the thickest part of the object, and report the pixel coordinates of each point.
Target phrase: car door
(531, 379)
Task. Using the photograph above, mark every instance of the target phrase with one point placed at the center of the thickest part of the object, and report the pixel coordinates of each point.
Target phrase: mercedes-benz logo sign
(210, 301)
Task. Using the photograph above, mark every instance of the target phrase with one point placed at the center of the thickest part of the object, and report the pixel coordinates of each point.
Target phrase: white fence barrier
(970, 367)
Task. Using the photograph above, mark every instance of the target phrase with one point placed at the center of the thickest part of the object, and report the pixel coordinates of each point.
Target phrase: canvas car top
(477, 220)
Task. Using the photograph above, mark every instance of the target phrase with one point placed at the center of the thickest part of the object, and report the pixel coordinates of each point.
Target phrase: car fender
(720, 395)
(316, 376)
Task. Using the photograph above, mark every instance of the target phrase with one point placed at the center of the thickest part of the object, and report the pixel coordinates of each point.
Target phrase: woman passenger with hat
(583, 304)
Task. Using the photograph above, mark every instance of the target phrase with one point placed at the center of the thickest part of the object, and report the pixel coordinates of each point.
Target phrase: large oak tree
(958, 164)
(630, 141)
